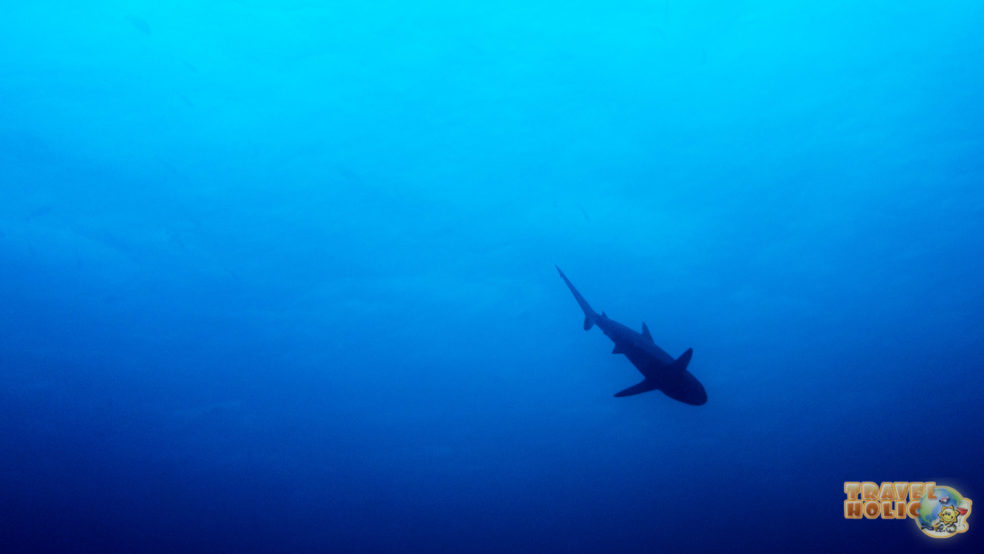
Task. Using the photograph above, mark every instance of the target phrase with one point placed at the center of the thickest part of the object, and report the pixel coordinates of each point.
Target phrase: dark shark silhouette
(661, 371)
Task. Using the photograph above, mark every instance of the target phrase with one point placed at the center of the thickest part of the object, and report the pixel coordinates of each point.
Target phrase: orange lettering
(852, 509)
(869, 491)
(901, 488)
(851, 489)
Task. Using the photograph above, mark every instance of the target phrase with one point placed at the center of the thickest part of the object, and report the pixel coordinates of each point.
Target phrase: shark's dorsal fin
(645, 332)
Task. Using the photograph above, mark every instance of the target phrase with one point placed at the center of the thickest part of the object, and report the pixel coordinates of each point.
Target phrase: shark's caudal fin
(638, 388)
(589, 314)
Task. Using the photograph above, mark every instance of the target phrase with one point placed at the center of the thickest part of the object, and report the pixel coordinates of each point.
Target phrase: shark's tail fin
(589, 314)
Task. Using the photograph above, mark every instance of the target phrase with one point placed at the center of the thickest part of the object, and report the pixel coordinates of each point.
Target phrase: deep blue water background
(278, 276)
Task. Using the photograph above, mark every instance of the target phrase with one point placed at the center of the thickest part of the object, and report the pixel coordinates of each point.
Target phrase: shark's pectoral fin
(681, 363)
(638, 388)
(588, 323)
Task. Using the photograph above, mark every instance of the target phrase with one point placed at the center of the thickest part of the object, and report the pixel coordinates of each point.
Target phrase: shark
(660, 370)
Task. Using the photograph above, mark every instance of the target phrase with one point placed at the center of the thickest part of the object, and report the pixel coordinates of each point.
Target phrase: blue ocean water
(279, 276)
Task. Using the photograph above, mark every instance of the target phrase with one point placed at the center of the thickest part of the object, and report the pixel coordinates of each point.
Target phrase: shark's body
(660, 370)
